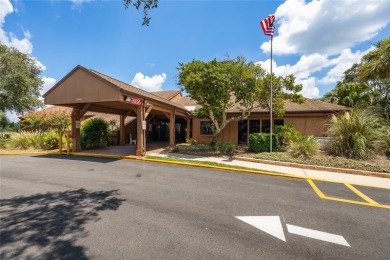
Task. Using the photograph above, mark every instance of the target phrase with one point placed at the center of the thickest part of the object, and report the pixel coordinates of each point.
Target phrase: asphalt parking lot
(68, 207)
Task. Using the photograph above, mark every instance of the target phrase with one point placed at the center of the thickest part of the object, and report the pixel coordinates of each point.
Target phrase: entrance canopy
(88, 90)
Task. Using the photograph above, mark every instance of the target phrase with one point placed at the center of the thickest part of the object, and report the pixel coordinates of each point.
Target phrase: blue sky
(314, 40)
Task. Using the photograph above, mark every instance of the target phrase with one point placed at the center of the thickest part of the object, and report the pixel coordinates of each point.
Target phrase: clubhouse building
(145, 117)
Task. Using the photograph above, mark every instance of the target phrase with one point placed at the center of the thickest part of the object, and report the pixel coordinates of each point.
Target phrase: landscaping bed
(375, 164)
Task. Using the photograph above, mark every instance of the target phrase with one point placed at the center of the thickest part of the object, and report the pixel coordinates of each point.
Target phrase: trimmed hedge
(260, 142)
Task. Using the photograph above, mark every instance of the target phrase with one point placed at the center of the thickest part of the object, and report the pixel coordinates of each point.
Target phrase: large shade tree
(145, 5)
(217, 86)
(20, 81)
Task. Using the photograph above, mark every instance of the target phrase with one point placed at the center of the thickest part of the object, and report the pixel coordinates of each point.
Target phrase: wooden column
(122, 130)
(76, 146)
(171, 129)
(188, 128)
(140, 133)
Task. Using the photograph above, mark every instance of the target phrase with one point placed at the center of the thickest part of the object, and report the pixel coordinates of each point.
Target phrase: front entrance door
(242, 132)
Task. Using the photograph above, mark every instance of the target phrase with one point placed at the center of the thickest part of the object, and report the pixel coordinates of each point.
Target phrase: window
(205, 128)
(265, 127)
(254, 126)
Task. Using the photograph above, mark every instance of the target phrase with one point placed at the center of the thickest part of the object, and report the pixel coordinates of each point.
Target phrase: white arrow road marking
(328, 237)
(269, 224)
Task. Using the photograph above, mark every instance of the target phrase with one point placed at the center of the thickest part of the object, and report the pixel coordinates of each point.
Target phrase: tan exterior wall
(203, 139)
(81, 87)
(306, 124)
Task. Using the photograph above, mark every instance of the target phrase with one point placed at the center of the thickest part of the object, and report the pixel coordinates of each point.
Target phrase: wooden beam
(171, 129)
(84, 109)
(148, 111)
(162, 109)
(168, 115)
(188, 128)
(76, 146)
(140, 132)
(122, 129)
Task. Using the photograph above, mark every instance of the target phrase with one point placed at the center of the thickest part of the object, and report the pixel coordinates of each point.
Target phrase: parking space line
(316, 189)
(361, 194)
(369, 202)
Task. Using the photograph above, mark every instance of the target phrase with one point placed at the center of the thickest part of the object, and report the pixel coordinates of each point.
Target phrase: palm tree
(353, 94)
(376, 64)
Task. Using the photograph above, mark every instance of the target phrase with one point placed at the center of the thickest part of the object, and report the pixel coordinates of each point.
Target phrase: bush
(195, 148)
(305, 147)
(260, 142)
(355, 134)
(225, 148)
(287, 134)
(25, 140)
(191, 141)
(94, 133)
(51, 141)
(58, 121)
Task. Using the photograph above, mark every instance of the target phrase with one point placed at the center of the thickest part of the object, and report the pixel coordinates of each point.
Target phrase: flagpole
(270, 114)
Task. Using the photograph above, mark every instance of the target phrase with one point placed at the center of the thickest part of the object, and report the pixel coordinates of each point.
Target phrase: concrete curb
(27, 153)
(275, 174)
(130, 157)
(316, 167)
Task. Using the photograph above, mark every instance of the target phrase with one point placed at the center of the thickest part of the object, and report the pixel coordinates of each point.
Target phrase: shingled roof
(168, 94)
(135, 90)
(308, 106)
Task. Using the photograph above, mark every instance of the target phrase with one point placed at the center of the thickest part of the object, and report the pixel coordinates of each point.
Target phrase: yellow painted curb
(136, 158)
(26, 153)
(131, 157)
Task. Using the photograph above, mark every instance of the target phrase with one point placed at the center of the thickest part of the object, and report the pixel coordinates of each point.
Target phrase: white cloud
(326, 26)
(307, 65)
(76, 4)
(48, 84)
(153, 83)
(309, 89)
(301, 70)
(10, 39)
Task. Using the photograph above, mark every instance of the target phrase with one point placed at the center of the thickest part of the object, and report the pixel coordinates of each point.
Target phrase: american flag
(268, 25)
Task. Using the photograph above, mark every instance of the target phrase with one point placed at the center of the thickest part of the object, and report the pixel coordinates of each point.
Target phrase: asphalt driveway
(67, 207)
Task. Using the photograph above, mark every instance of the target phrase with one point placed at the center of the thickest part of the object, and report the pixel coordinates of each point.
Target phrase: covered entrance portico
(157, 119)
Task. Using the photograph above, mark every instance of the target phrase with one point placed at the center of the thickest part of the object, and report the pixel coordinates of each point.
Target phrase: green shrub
(4, 139)
(260, 142)
(225, 147)
(195, 148)
(305, 147)
(287, 134)
(52, 141)
(355, 134)
(192, 141)
(3, 143)
(58, 121)
(94, 133)
(25, 140)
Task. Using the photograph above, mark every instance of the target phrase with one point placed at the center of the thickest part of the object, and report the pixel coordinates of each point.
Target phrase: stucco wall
(307, 124)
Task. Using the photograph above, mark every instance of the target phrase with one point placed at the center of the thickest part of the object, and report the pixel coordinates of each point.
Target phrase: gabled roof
(125, 88)
(135, 90)
(308, 106)
(168, 94)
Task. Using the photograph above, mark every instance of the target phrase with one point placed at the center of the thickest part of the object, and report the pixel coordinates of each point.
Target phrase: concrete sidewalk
(332, 176)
